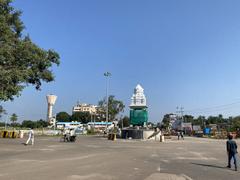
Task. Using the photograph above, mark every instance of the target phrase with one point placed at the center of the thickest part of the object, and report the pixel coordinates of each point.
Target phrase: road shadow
(209, 165)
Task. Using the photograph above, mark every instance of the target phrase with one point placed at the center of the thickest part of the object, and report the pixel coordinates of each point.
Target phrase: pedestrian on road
(231, 151)
(178, 135)
(30, 137)
(182, 135)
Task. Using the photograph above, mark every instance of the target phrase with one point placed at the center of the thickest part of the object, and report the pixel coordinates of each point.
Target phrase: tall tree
(201, 120)
(29, 124)
(2, 111)
(114, 107)
(22, 62)
(188, 118)
(166, 121)
(83, 117)
(41, 123)
(13, 118)
(63, 117)
(235, 123)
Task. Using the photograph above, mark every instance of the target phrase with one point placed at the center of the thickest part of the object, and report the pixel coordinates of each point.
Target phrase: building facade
(92, 109)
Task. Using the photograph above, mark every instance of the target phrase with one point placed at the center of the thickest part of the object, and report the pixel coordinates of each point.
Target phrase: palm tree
(14, 118)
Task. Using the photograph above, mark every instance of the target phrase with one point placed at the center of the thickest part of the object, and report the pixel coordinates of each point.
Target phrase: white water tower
(51, 99)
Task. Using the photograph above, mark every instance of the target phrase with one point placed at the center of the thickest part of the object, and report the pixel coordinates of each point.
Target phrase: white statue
(138, 98)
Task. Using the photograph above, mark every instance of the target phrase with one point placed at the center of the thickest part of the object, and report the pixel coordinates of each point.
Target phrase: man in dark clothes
(181, 133)
(231, 151)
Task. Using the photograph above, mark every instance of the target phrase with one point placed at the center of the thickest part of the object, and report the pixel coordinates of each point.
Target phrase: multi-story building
(92, 109)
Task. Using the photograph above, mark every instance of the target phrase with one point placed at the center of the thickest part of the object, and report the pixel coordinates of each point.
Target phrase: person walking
(231, 151)
(178, 135)
(30, 137)
(181, 133)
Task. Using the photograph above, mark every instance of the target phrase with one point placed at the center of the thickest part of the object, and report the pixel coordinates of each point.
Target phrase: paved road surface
(97, 158)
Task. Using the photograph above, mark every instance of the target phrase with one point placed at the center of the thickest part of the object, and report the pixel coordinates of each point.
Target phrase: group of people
(180, 134)
(69, 134)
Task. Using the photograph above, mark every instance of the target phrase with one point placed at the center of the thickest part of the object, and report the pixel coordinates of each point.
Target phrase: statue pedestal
(145, 134)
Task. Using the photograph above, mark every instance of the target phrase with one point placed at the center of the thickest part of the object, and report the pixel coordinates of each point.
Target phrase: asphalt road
(94, 157)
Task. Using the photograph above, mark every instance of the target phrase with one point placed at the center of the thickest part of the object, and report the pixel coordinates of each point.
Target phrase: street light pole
(107, 75)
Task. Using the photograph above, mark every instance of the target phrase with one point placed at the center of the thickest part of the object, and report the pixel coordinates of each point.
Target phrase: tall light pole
(107, 75)
(181, 111)
(6, 123)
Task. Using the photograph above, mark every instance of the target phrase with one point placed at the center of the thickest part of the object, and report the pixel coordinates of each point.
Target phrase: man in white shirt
(72, 132)
(30, 137)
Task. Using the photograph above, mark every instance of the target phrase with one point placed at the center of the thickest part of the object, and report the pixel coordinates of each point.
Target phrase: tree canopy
(63, 117)
(83, 117)
(166, 121)
(22, 62)
(2, 111)
(34, 124)
(14, 118)
(114, 107)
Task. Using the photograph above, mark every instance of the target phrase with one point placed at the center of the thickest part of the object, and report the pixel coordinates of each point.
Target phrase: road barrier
(4, 134)
(8, 134)
(13, 134)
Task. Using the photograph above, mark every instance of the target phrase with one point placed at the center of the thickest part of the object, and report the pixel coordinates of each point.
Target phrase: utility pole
(107, 75)
(180, 110)
(94, 120)
(6, 123)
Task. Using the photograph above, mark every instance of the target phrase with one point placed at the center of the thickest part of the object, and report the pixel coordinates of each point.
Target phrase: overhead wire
(214, 108)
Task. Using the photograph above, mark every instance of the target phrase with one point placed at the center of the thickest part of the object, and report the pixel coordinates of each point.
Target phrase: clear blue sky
(184, 53)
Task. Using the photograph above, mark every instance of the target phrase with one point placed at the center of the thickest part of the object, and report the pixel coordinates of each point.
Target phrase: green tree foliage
(63, 117)
(2, 111)
(2, 124)
(83, 117)
(166, 121)
(28, 124)
(114, 107)
(41, 123)
(22, 62)
(34, 124)
(201, 120)
(13, 118)
(215, 119)
(235, 123)
(188, 118)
